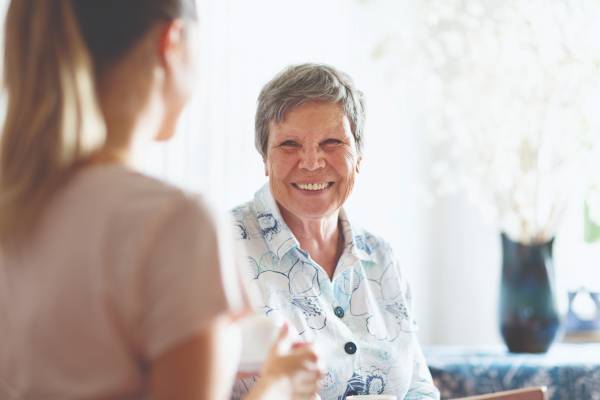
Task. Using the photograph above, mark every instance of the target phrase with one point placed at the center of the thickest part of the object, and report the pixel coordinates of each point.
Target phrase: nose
(311, 159)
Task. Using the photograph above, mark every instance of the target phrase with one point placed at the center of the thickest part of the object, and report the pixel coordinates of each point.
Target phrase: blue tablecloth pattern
(569, 371)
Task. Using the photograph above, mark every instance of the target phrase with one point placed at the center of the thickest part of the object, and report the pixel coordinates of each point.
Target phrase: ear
(174, 68)
(171, 43)
(266, 167)
(358, 164)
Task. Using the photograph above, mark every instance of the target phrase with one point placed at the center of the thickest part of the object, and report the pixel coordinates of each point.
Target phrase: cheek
(347, 169)
(278, 166)
(347, 164)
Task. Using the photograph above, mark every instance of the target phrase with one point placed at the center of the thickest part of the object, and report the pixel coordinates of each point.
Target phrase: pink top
(121, 268)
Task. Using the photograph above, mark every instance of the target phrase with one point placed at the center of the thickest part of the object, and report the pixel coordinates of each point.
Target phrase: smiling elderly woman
(338, 285)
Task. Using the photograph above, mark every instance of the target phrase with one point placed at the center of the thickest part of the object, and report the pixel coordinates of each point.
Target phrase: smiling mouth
(312, 187)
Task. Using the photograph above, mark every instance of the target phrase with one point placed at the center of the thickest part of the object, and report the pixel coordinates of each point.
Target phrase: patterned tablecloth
(570, 371)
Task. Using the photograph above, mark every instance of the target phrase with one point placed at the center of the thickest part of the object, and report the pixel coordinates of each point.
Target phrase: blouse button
(350, 348)
(339, 312)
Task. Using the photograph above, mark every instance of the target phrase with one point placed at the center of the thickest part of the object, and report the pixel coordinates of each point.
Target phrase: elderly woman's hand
(290, 372)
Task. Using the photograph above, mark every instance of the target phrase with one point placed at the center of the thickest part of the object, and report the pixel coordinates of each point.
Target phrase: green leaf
(591, 230)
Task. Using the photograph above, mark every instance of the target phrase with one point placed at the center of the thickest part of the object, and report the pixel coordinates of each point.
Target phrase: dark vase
(529, 318)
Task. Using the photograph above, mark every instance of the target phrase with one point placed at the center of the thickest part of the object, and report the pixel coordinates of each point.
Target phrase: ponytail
(52, 122)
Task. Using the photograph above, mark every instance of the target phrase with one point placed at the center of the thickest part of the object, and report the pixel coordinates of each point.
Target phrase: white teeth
(313, 186)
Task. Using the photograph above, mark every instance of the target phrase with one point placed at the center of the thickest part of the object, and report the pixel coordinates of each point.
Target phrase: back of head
(55, 52)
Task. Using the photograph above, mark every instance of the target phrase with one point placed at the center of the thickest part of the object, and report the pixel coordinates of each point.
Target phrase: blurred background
(481, 117)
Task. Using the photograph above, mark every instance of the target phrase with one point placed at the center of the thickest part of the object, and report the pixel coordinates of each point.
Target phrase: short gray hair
(303, 83)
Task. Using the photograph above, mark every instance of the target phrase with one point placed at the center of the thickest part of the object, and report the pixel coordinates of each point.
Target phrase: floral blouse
(360, 321)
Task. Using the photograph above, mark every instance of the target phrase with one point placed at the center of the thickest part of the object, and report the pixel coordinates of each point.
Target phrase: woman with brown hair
(112, 284)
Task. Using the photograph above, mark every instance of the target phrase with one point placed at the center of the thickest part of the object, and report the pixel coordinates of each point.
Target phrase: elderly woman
(340, 286)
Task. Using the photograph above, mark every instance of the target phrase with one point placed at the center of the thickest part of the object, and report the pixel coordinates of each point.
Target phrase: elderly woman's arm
(421, 385)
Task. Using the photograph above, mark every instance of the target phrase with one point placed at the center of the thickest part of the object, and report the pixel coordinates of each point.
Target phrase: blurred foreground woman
(112, 284)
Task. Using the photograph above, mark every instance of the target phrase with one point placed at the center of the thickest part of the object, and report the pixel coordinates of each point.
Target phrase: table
(570, 371)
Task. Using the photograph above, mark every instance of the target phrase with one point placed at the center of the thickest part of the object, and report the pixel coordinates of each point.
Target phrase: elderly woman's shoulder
(244, 220)
(371, 243)
(242, 211)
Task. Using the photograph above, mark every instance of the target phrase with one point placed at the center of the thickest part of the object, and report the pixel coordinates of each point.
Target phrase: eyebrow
(288, 136)
(332, 132)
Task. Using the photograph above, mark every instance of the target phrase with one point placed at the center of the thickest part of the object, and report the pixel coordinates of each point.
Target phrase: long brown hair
(55, 50)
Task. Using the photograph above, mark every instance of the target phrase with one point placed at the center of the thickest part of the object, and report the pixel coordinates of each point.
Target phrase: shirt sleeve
(421, 382)
(188, 277)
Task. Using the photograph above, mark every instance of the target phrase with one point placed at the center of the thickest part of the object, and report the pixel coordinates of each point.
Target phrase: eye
(331, 142)
(289, 143)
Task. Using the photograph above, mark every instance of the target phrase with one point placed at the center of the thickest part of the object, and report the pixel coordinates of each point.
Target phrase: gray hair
(303, 83)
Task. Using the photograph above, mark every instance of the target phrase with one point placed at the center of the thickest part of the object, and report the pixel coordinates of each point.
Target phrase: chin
(315, 209)
(314, 213)
(166, 133)
(168, 127)
(163, 137)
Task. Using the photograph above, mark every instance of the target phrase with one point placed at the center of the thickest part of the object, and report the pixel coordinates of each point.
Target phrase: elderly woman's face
(312, 160)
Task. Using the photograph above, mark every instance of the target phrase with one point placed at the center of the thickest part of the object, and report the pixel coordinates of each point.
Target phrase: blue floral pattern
(360, 320)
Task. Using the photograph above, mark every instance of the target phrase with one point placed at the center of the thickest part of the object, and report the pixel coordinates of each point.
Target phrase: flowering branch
(517, 89)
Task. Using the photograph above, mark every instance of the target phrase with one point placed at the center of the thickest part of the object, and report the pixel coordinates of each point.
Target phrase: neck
(319, 229)
(321, 238)
(129, 106)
